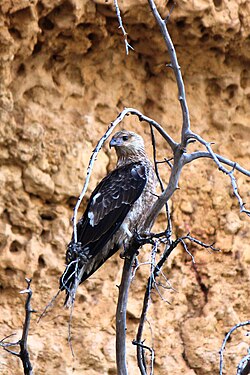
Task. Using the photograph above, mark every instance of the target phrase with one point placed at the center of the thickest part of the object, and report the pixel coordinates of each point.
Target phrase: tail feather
(78, 271)
(69, 282)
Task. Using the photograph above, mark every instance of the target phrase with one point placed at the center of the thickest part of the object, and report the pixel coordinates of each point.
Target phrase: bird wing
(109, 204)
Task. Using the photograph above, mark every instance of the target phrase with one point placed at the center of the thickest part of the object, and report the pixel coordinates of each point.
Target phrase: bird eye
(125, 138)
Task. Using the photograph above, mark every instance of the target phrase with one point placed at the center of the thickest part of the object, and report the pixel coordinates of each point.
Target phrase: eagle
(117, 208)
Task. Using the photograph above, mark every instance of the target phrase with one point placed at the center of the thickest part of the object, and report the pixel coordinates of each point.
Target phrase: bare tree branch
(169, 228)
(177, 71)
(220, 166)
(156, 270)
(22, 343)
(121, 311)
(118, 13)
(179, 160)
(203, 154)
(140, 348)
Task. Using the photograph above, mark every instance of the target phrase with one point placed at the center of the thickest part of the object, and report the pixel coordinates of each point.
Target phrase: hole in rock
(181, 23)
(37, 48)
(82, 299)
(217, 3)
(21, 70)
(93, 37)
(15, 33)
(218, 38)
(58, 58)
(41, 262)
(49, 216)
(46, 24)
(15, 247)
(205, 38)
(231, 90)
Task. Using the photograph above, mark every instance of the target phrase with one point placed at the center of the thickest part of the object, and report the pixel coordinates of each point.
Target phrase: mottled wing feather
(109, 204)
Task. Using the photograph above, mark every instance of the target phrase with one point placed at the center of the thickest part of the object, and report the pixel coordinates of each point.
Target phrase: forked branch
(125, 34)
(23, 354)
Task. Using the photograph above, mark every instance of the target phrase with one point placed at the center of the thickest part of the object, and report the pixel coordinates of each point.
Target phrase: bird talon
(142, 240)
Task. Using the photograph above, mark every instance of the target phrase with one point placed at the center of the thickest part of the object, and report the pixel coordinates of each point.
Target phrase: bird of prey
(116, 209)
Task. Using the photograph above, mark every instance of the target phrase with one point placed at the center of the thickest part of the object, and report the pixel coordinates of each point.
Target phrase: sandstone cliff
(64, 76)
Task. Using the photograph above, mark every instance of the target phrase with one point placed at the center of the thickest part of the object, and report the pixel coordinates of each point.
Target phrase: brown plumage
(117, 208)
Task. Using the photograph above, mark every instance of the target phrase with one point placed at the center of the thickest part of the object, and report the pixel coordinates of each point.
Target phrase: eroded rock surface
(64, 77)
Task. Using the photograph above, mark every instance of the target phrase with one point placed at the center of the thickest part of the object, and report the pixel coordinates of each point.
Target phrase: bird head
(127, 144)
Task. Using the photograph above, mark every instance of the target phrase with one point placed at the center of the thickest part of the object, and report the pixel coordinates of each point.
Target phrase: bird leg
(130, 248)
(75, 251)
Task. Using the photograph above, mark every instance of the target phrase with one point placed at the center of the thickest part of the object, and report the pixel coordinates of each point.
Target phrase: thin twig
(170, 12)
(50, 304)
(203, 154)
(198, 242)
(169, 227)
(154, 157)
(138, 344)
(69, 328)
(187, 251)
(220, 166)
(125, 34)
(140, 350)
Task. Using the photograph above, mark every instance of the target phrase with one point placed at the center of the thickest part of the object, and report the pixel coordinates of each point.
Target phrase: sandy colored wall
(64, 77)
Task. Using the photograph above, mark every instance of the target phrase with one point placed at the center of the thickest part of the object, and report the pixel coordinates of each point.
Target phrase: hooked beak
(115, 142)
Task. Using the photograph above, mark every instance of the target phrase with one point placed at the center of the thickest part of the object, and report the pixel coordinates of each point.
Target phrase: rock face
(64, 77)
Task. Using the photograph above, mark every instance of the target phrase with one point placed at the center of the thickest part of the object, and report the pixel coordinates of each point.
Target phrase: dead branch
(121, 310)
(177, 71)
(153, 274)
(246, 368)
(203, 154)
(220, 166)
(125, 34)
(23, 354)
(169, 228)
(140, 347)
(156, 270)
